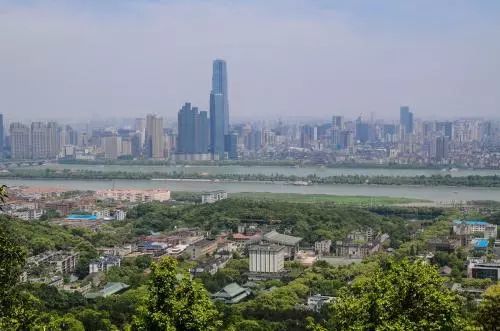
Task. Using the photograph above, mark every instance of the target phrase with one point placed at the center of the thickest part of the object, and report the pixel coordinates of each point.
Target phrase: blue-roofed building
(480, 244)
(466, 228)
(77, 217)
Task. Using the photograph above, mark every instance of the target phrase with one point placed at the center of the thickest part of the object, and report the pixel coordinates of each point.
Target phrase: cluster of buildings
(479, 238)
(77, 208)
(200, 135)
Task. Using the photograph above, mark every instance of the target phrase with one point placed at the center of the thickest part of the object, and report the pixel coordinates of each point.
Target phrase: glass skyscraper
(219, 108)
(406, 120)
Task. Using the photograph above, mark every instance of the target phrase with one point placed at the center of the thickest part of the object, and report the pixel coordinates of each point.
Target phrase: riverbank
(251, 163)
(438, 194)
(491, 181)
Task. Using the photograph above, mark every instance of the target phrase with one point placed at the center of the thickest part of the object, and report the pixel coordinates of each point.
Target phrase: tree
(397, 296)
(175, 302)
(12, 258)
(488, 313)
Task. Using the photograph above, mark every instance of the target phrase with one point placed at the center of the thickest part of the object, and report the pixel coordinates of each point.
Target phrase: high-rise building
(231, 146)
(53, 146)
(442, 148)
(193, 130)
(346, 139)
(2, 135)
(112, 146)
(154, 137)
(406, 120)
(219, 108)
(20, 141)
(362, 131)
(140, 126)
(39, 143)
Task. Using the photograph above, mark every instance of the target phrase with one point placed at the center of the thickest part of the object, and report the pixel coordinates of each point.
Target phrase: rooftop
(471, 222)
(269, 248)
(481, 243)
(283, 239)
(75, 217)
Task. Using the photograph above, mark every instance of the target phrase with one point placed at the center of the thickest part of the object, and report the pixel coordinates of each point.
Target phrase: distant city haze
(285, 59)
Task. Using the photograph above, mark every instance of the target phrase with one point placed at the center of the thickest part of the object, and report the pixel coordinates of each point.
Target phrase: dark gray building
(193, 130)
(406, 120)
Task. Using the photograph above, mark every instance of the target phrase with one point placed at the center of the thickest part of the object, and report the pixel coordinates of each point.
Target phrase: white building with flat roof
(266, 258)
(214, 196)
(135, 195)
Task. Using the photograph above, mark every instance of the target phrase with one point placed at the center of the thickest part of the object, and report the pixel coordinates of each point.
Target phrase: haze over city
(88, 59)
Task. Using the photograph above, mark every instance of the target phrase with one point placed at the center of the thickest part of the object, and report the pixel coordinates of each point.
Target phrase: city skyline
(311, 59)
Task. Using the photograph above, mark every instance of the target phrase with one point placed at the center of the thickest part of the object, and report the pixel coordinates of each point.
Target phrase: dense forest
(377, 294)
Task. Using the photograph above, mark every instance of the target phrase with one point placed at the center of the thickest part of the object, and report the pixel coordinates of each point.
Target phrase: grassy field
(314, 198)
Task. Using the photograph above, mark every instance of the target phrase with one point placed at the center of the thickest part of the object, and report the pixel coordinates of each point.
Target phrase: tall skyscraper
(193, 130)
(53, 141)
(154, 137)
(20, 141)
(406, 120)
(219, 108)
(39, 143)
(442, 148)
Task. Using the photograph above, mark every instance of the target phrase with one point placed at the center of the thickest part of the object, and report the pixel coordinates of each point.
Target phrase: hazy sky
(104, 58)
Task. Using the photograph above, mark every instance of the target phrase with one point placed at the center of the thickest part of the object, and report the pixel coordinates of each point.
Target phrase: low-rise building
(478, 227)
(317, 301)
(443, 245)
(104, 263)
(135, 196)
(323, 247)
(120, 215)
(214, 196)
(202, 248)
(481, 269)
(232, 293)
(60, 261)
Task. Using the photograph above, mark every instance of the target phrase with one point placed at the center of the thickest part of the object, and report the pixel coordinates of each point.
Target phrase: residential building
(476, 227)
(213, 196)
(323, 247)
(39, 143)
(317, 301)
(61, 261)
(135, 196)
(154, 137)
(202, 248)
(266, 258)
(120, 215)
(20, 141)
(232, 293)
(104, 263)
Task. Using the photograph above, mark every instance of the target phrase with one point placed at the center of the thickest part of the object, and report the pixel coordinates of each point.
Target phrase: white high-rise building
(154, 144)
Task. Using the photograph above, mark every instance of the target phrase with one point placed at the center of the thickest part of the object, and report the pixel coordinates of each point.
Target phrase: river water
(439, 194)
